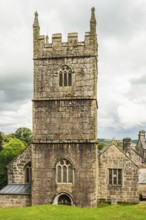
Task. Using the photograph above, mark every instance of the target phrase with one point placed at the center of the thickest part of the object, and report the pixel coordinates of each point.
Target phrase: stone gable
(135, 157)
(113, 158)
(16, 168)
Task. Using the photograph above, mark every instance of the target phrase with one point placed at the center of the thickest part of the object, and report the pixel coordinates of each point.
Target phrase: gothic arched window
(64, 171)
(65, 76)
(27, 173)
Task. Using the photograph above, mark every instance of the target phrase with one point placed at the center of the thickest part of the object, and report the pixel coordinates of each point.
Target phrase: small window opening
(115, 177)
(60, 79)
(28, 173)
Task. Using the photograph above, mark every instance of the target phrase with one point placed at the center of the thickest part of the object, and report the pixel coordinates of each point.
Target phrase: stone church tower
(64, 153)
(63, 156)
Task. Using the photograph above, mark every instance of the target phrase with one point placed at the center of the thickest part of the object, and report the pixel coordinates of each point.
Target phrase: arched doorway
(64, 200)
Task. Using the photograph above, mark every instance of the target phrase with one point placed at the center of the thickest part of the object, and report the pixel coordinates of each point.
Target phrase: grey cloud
(117, 20)
(141, 81)
(120, 18)
(137, 89)
(14, 89)
(111, 132)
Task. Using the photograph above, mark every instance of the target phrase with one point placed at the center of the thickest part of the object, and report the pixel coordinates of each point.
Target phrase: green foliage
(10, 150)
(100, 146)
(103, 143)
(24, 134)
(58, 212)
(106, 142)
(120, 144)
(1, 147)
(11, 147)
(3, 175)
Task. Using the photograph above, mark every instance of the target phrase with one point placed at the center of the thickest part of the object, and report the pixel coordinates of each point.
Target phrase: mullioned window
(64, 171)
(65, 76)
(115, 177)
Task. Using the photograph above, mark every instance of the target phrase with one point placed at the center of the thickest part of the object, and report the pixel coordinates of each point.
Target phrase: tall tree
(24, 134)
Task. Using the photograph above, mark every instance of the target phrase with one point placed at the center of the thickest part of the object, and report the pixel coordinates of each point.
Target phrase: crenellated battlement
(47, 47)
(73, 47)
(65, 69)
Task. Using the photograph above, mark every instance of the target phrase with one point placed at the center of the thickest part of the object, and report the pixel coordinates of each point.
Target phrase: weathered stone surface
(131, 152)
(141, 145)
(47, 78)
(16, 168)
(135, 157)
(113, 158)
(65, 117)
(64, 120)
(83, 158)
(13, 201)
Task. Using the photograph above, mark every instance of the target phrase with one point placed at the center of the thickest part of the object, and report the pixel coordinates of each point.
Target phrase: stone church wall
(47, 77)
(113, 158)
(44, 184)
(16, 167)
(65, 115)
(65, 120)
(14, 201)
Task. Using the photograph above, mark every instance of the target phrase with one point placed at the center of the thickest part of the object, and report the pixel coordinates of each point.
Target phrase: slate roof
(16, 189)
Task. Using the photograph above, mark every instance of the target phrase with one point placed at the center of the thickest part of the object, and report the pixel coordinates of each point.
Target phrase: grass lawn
(54, 212)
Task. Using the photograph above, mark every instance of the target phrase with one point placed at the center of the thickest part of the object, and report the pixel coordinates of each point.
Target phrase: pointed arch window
(27, 173)
(64, 171)
(65, 76)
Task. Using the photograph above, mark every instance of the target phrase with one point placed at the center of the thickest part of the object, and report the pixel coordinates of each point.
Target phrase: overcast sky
(121, 30)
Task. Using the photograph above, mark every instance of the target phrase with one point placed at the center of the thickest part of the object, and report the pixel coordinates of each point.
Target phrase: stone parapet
(58, 48)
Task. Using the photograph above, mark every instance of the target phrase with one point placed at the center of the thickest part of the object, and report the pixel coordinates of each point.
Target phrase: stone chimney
(141, 134)
(126, 144)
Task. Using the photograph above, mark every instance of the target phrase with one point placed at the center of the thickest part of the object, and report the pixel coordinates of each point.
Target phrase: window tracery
(64, 171)
(65, 76)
